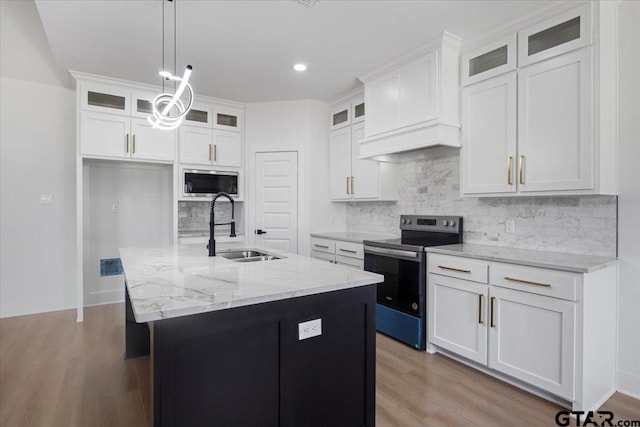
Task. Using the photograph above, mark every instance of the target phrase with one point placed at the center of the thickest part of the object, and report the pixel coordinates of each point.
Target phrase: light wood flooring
(56, 372)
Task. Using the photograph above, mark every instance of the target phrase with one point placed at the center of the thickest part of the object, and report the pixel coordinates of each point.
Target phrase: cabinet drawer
(462, 268)
(558, 284)
(351, 262)
(323, 245)
(323, 256)
(349, 249)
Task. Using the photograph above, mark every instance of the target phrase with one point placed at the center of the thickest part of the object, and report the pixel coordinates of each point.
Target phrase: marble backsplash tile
(430, 184)
(194, 216)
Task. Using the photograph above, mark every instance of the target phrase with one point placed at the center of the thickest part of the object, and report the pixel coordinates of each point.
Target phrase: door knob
(258, 231)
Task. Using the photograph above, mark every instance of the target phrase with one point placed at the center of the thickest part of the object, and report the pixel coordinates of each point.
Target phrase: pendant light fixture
(169, 110)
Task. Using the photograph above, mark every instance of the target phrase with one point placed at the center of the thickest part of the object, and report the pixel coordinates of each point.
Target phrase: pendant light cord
(175, 42)
(163, 79)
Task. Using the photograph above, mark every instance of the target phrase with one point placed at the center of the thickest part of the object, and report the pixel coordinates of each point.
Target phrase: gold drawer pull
(349, 251)
(513, 279)
(320, 246)
(509, 163)
(480, 309)
(348, 186)
(454, 269)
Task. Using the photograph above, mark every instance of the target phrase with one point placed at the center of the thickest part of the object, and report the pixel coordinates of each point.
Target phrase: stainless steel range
(401, 304)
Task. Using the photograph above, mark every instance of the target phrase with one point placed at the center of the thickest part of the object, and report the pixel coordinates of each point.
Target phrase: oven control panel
(448, 224)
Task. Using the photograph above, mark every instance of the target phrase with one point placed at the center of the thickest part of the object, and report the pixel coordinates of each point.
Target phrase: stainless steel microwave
(206, 183)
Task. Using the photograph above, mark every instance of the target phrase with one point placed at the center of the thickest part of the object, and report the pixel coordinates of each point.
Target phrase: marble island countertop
(180, 280)
(552, 260)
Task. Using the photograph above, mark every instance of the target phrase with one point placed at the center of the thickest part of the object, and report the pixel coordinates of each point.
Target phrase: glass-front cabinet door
(340, 116)
(142, 104)
(96, 97)
(200, 115)
(489, 61)
(561, 34)
(227, 118)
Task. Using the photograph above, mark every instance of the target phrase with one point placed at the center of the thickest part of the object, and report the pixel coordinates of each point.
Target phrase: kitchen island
(283, 342)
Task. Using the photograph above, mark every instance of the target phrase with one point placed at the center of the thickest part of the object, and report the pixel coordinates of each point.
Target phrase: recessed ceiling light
(299, 67)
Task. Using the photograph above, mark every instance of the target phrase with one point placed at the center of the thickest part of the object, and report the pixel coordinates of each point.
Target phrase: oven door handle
(393, 253)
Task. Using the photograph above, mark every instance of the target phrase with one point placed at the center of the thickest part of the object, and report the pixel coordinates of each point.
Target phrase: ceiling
(243, 50)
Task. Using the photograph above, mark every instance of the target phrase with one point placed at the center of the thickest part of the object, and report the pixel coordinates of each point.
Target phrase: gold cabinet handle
(493, 325)
(210, 150)
(480, 309)
(521, 168)
(527, 282)
(126, 145)
(134, 144)
(320, 246)
(348, 185)
(352, 186)
(215, 153)
(509, 163)
(348, 251)
(454, 269)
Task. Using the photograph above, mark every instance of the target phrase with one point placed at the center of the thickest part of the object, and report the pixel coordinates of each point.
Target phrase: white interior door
(276, 222)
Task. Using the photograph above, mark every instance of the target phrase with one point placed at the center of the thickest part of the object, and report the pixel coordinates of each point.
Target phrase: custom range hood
(413, 101)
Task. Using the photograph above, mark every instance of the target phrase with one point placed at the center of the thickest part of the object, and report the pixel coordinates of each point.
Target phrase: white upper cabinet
(413, 102)
(488, 152)
(104, 134)
(227, 148)
(199, 146)
(555, 141)
(563, 33)
(565, 109)
(340, 163)
(352, 178)
(113, 123)
(150, 143)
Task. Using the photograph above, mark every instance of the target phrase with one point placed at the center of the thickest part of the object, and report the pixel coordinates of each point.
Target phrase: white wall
(629, 200)
(37, 156)
(142, 194)
(300, 126)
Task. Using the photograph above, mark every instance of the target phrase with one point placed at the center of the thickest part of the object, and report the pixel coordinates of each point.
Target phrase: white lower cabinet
(531, 338)
(531, 326)
(458, 316)
(338, 252)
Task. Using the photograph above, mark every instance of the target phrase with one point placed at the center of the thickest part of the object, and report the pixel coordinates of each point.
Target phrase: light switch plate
(310, 329)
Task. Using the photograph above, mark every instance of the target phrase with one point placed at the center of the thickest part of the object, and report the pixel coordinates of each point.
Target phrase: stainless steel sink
(247, 255)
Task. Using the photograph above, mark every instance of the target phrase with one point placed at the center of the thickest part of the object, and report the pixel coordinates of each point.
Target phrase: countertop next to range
(575, 263)
(179, 280)
(352, 236)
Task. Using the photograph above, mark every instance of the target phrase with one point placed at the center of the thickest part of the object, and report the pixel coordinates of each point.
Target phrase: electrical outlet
(510, 226)
(115, 208)
(310, 329)
(46, 199)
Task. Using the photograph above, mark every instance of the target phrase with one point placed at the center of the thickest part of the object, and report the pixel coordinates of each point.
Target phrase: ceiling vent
(309, 3)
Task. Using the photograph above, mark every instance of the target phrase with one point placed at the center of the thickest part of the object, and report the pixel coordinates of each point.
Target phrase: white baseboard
(628, 383)
(35, 306)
